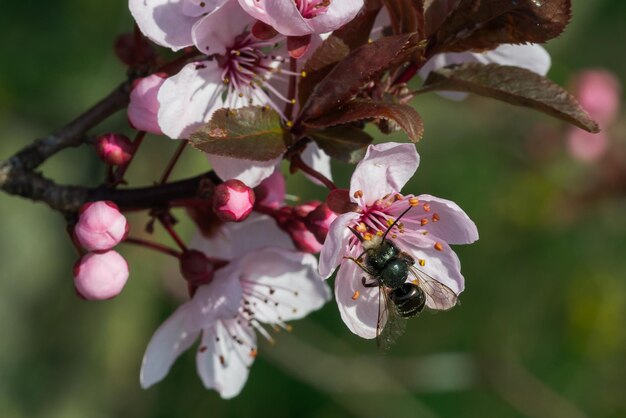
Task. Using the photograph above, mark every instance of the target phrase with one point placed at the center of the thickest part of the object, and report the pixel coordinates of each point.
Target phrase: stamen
(356, 295)
(438, 246)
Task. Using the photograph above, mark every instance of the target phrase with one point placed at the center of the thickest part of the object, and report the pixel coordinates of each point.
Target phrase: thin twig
(173, 161)
(153, 246)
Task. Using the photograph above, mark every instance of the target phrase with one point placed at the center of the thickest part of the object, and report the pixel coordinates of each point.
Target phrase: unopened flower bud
(143, 108)
(134, 50)
(233, 201)
(319, 220)
(303, 239)
(196, 268)
(100, 276)
(114, 148)
(101, 226)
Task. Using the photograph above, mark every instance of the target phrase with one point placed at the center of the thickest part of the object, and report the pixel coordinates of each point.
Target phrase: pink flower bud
(196, 268)
(114, 149)
(303, 239)
(233, 201)
(100, 276)
(143, 108)
(100, 226)
(319, 220)
(599, 94)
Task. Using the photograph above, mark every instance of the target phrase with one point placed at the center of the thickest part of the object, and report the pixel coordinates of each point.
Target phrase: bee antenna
(356, 234)
(396, 221)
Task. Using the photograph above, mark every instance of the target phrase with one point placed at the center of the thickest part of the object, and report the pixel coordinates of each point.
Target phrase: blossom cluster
(252, 267)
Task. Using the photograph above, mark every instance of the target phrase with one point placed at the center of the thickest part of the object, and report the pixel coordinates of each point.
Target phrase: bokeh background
(540, 332)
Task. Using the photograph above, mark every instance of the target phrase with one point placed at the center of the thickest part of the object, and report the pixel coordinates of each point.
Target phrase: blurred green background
(540, 332)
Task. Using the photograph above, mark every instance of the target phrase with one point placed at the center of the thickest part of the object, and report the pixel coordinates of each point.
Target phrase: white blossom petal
(252, 173)
(225, 355)
(188, 99)
(385, 169)
(358, 305)
(336, 243)
(163, 22)
(317, 159)
(171, 339)
(282, 285)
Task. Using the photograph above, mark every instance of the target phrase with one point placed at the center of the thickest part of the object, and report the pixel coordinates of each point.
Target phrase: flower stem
(170, 230)
(119, 174)
(173, 161)
(297, 162)
(153, 246)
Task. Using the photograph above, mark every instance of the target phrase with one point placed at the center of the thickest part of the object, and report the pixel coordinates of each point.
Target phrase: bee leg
(360, 264)
(365, 284)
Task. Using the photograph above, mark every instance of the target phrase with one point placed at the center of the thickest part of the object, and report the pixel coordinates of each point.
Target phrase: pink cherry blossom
(100, 226)
(303, 17)
(100, 276)
(271, 191)
(266, 283)
(144, 106)
(425, 233)
(241, 71)
(233, 201)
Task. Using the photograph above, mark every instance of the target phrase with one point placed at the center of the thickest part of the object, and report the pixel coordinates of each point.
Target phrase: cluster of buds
(307, 224)
(101, 273)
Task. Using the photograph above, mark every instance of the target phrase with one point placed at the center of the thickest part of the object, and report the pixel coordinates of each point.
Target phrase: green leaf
(344, 143)
(403, 115)
(352, 73)
(513, 85)
(250, 133)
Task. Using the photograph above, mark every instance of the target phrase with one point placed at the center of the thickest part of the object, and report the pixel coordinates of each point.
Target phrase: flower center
(248, 66)
(312, 8)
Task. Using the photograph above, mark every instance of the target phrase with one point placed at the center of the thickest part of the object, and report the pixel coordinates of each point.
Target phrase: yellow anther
(293, 101)
(426, 207)
(361, 227)
(303, 74)
(356, 295)
(289, 124)
(390, 221)
(414, 201)
(422, 262)
(438, 246)
(424, 222)
(367, 236)
(358, 194)
(253, 353)
(436, 217)
(380, 233)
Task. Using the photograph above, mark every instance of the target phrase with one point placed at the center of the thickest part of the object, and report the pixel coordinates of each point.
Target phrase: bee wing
(390, 324)
(438, 296)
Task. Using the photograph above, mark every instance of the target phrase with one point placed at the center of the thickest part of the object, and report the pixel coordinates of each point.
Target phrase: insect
(399, 298)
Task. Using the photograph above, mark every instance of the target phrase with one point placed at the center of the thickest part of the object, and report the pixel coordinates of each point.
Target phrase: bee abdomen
(409, 299)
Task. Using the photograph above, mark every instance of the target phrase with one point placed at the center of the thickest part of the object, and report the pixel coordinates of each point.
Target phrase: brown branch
(69, 199)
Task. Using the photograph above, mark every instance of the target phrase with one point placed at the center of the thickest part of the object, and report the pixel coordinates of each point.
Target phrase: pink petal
(444, 219)
(215, 33)
(172, 338)
(188, 99)
(385, 169)
(144, 106)
(282, 285)
(199, 8)
(358, 305)
(442, 265)
(225, 355)
(271, 191)
(252, 173)
(164, 22)
(599, 91)
(338, 14)
(280, 14)
(336, 243)
(219, 299)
